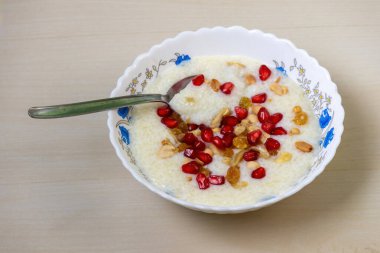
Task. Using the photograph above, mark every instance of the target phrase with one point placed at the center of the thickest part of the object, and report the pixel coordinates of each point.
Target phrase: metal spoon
(68, 110)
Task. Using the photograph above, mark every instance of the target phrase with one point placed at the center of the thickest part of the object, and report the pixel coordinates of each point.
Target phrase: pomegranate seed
(279, 131)
(226, 88)
(207, 134)
(275, 118)
(263, 115)
(258, 173)
(251, 155)
(203, 181)
(268, 127)
(228, 139)
(164, 111)
(198, 80)
(259, 98)
(199, 145)
(216, 180)
(254, 137)
(264, 72)
(226, 129)
(241, 113)
(189, 138)
(191, 153)
(230, 120)
(202, 126)
(169, 122)
(204, 157)
(191, 127)
(191, 167)
(272, 145)
(218, 142)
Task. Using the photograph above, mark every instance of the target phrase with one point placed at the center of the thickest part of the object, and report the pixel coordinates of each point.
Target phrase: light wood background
(62, 188)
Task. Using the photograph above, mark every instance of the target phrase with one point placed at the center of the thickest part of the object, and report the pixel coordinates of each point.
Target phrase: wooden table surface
(62, 188)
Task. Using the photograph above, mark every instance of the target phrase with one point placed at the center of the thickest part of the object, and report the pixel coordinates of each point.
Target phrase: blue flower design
(123, 112)
(181, 58)
(124, 135)
(325, 118)
(282, 70)
(329, 137)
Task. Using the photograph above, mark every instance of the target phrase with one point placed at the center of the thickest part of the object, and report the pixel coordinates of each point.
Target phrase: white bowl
(278, 53)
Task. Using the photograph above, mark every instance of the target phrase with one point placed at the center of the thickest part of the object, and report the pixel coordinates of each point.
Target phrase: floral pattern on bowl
(295, 63)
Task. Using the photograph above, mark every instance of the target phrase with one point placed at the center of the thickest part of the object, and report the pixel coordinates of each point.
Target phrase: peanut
(262, 150)
(196, 132)
(256, 109)
(252, 165)
(209, 151)
(239, 129)
(244, 122)
(240, 185)
(264, 136)
(166, 151)
(278, 89)
(216, 130)
(218, 118)
(251, 128)
(215, 149)
(304, 146)
(237, 64)
(252, 118)
(237, 158)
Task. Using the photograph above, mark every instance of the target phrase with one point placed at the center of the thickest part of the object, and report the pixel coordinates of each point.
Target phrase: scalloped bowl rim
(228, 209)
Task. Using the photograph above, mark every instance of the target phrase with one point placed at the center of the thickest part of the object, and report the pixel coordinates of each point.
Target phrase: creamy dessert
(239, 133)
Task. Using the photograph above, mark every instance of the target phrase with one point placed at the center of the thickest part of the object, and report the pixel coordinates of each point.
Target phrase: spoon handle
(68, 110)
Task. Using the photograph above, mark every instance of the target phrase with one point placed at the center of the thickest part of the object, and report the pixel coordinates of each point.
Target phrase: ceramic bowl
(278, 53)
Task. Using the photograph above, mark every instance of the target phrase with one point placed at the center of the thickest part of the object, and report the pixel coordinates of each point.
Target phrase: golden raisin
(215, 85)
(249, 79)
(233, 175)
(284, 157)
(297, 109)
(165, 141)
(176, 116)
(190, 100)
(294, 131)
(228, 152)
(183, 127)
(205, 171)
(182, 146)
(300, 118)
(240, 142)
(176, 131)
(245, 102)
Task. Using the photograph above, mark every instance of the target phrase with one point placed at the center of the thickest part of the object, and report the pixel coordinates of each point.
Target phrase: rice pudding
(239, 133)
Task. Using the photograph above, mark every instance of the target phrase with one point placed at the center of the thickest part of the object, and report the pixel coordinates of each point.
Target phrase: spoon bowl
(80, 108)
